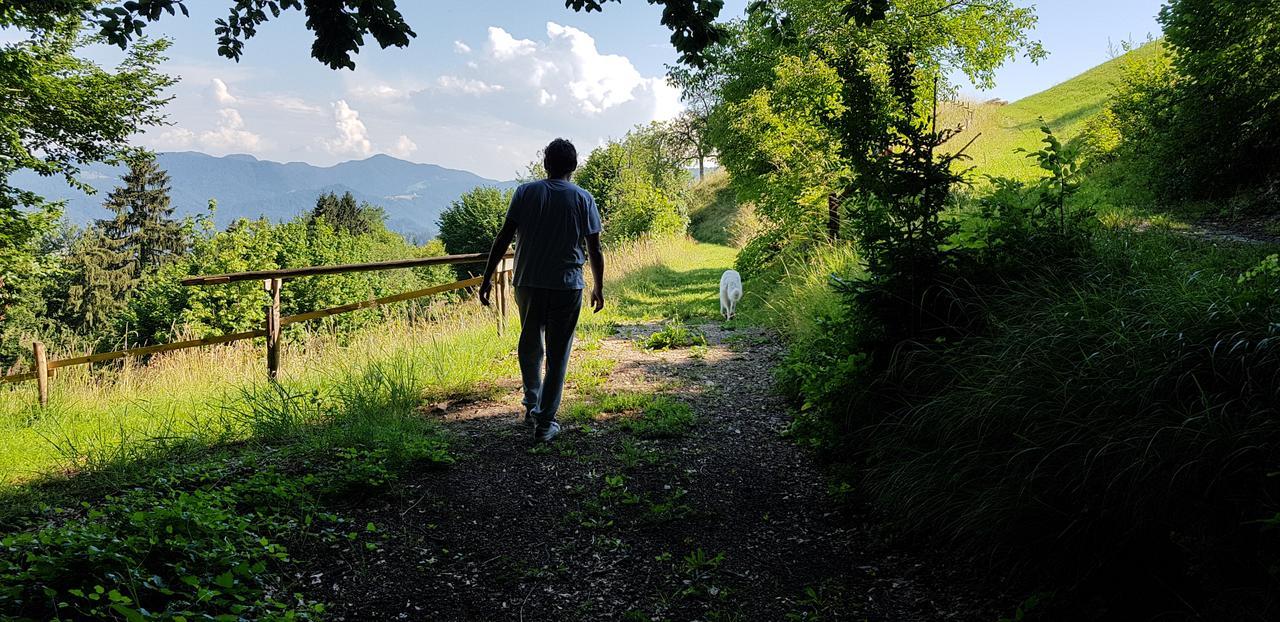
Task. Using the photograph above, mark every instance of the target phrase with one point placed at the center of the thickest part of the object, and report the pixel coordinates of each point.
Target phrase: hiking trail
(728, 521)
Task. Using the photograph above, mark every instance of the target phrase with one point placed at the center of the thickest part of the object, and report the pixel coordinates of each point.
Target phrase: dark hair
(560, 158)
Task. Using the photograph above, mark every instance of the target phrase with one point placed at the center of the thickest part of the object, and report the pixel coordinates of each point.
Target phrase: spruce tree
(96, 286)
(345, 215)
(143, 235)
(109, 259)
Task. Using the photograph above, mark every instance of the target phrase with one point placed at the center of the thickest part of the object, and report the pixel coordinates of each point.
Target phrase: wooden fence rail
(273, 281)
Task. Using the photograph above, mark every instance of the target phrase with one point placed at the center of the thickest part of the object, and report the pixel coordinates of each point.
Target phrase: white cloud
(403, 148)
(221, 93)
(172, 139)
(503, 46)
(379, 92)
(293, 104)
(230, 134)
(569, 69)
(353, 136)
(461, 47)
(597, 81)
(454, 84)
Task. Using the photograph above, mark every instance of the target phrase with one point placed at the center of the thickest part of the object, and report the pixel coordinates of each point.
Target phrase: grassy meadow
(1003, 128)
(219, 394)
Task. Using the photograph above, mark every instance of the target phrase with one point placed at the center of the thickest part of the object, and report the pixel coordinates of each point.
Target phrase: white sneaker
(544, 436)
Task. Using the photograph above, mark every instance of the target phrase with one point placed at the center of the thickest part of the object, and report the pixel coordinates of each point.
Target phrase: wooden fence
(273, 283)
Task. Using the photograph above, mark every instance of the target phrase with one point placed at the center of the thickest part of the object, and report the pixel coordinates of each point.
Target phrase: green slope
(1067, 107)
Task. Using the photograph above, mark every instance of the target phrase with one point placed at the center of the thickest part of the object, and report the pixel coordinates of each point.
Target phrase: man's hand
(597, 299)
(485, 288)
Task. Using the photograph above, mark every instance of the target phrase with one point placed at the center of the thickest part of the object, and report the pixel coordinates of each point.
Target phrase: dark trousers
(548, 318)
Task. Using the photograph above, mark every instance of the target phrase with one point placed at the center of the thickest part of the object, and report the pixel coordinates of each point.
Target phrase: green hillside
(1067, 107)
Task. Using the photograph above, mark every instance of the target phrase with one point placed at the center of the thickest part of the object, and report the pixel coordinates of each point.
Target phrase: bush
(639, 186)
(639, 209)
(472, 222)
(195, 547)
(1117, 423)
(1226, 137)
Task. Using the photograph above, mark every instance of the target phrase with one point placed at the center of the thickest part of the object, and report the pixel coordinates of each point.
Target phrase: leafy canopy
(340, 26)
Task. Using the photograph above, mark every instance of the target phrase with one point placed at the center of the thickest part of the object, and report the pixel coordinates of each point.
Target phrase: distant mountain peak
(248, 187)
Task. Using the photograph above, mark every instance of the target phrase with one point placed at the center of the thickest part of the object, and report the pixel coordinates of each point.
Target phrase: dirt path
(730, 521)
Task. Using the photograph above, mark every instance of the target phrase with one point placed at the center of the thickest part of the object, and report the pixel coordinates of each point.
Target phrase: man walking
(552, 217)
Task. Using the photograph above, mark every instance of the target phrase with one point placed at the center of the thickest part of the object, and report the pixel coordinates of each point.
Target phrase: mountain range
(246, 187)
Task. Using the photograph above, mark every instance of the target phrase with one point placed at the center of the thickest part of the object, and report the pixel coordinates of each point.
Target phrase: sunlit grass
(684, 284)
(110, 416)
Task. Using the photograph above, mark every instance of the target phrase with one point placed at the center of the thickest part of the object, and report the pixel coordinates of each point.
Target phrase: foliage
(692, 23)
(672, 335)
(472, 222)
(639, 184)
(340, 26)
(1226, 134)
(198, 546)
(105, 265)
(663, 417)
(343, 214)
(782, 149)
(902, 233)
(164, 309)
(1019, 227)
(1102, 419)
(58, 111)
(805, 100)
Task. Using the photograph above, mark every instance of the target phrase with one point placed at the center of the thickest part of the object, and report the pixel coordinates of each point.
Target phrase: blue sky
(486, 83)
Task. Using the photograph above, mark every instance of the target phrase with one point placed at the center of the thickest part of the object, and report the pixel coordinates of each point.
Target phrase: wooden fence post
(273, 287)
(42, 372)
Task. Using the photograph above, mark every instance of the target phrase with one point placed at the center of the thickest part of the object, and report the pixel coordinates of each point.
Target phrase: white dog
(730, 293)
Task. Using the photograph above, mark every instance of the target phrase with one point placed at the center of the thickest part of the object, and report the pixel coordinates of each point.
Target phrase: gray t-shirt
(552, 217)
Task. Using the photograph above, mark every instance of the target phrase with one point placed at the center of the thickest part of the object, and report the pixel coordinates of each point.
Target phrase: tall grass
(218, 394)
(1113, 430)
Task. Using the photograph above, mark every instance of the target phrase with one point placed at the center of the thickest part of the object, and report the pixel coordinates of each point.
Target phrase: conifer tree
(109, 260)
(96, 287)
(344, 214)
(143, 235)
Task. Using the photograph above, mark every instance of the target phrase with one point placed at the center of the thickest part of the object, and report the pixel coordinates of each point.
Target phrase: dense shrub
(1118, 421)
(640, 185)
(1226, 134)
(637, 209)
(470, 224)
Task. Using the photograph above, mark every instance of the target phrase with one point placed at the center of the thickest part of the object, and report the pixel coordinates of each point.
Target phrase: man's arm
(496, 253)
(597, 271)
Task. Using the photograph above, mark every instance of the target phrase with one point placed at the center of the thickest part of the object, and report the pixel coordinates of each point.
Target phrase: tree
(340, 26)
(1226, 112)
(58, 111)
(143, 235)
(470, 224)
(691, 128)
(108, 261)
(639, 183)
(345, 215)
(820, 160)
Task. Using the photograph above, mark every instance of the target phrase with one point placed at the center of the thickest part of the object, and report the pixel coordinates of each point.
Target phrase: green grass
(217, 395)
(1066, 107)
(220, 395)
(716, 217)
(662, 417)
(683, 281)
